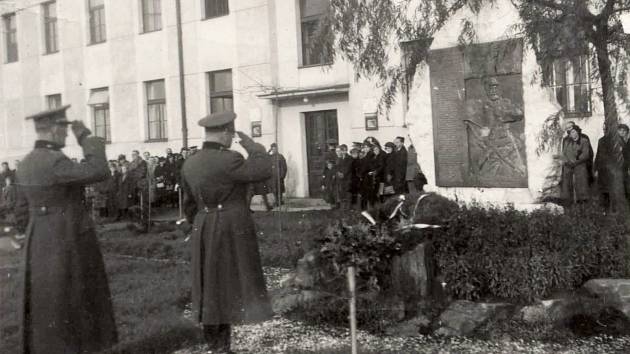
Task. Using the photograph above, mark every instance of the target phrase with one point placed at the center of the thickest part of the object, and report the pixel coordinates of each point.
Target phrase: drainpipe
(182, 84)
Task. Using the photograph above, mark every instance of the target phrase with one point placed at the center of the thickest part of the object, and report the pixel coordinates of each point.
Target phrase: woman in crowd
(575, 170)
(377, 170)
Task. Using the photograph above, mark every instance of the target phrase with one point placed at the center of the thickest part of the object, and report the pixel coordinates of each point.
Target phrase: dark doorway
(320, 126)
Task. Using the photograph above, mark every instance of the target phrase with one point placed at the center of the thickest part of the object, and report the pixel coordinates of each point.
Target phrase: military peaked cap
(217, 120)
(55, 115)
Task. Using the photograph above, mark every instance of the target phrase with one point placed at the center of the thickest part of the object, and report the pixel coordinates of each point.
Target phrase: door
(320, 126)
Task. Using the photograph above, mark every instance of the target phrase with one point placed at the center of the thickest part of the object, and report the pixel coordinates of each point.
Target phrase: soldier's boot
(218, 338)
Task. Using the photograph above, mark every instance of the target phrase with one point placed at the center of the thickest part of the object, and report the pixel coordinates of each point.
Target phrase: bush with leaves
(510, 254)
(368, 248)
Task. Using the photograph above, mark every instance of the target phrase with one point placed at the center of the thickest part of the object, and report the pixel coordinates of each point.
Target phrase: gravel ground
(284, 336)
(281, 335)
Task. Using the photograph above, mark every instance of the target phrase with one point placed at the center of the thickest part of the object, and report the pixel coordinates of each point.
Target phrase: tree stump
(413, 273)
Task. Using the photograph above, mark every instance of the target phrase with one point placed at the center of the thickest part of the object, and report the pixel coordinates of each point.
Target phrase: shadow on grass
(149, 296)
(162, 334)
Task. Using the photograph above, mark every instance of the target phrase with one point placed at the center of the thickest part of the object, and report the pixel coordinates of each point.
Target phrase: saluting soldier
(66, 301)
(228, 282)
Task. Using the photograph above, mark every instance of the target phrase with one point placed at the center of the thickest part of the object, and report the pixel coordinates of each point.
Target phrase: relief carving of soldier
(495, 144)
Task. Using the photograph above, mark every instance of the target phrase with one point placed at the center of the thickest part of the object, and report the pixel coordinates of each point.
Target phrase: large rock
(412, 272)
(306, 274)
(462, 317)
(410, 328)
(283, 301)
(552, 310)
(613, 293)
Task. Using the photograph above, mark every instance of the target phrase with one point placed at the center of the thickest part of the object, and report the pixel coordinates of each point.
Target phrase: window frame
(162, 123)
(10, 33)
(206, 7)
(156, 17)
(223, 94)
(102, 107)
(371, 117)
(52, 97)
(92, 10)
(550, 80)
(306, 47)
(51, 31)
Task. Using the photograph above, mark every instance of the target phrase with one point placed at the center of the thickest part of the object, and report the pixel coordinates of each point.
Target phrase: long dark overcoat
(278, 173)
(228, 283)
(575, 176)
(66, 301)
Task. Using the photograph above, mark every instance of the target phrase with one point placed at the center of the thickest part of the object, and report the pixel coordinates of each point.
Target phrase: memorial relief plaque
(489, 107)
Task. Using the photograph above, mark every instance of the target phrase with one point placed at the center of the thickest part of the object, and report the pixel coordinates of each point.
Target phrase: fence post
(353, 308)
(149, 204)
(179, 197)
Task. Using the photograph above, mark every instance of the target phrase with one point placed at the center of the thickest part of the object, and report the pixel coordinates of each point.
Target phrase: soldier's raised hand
(243, 136)
(80, 130)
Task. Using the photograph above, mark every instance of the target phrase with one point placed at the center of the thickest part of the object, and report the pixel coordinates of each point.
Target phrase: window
(53, 101)
(311, 14)
(221, 96)
(10, 39)
(151, 15)
(49, 10)
(570, 80)
(215, 8)
(156, 109)
(99, 102)
(97, 21)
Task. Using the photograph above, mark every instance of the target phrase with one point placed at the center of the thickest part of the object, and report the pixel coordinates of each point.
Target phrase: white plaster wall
(259, 40)
(494, 23)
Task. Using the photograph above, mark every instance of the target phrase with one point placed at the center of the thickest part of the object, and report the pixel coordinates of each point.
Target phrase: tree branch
(553, 5)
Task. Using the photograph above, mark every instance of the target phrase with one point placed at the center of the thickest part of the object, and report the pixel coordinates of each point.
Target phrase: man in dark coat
(366, 180)
(66, 301)
(344, 177)
(278, 174)
(400, 166)
(138, 173)
(228, 283)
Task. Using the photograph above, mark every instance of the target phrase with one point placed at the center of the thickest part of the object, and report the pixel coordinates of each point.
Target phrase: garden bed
(149, 278)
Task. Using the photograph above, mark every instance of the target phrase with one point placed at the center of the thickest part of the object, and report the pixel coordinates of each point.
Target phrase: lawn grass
(149, 277)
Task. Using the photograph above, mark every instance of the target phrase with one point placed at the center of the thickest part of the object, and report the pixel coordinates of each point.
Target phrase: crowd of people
(369, 173)
(359, 177)
(143, 182)
(586, 176)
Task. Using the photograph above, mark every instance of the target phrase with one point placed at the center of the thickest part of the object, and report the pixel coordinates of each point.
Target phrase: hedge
(510, 254)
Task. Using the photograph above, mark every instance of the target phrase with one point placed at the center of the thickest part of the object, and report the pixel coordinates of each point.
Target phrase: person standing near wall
(575, 170)
(344, 177)
(278, 174)
(228, 283)
(400, 166)
(66, 301)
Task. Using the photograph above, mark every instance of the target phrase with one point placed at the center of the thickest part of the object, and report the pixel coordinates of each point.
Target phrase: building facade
(116, 62)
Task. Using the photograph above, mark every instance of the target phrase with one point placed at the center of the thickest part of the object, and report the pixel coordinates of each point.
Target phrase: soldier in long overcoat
(228, 284)
(66, 301)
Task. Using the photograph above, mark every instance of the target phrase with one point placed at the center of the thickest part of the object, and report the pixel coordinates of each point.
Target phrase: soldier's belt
(220, 207)
(44, 210)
